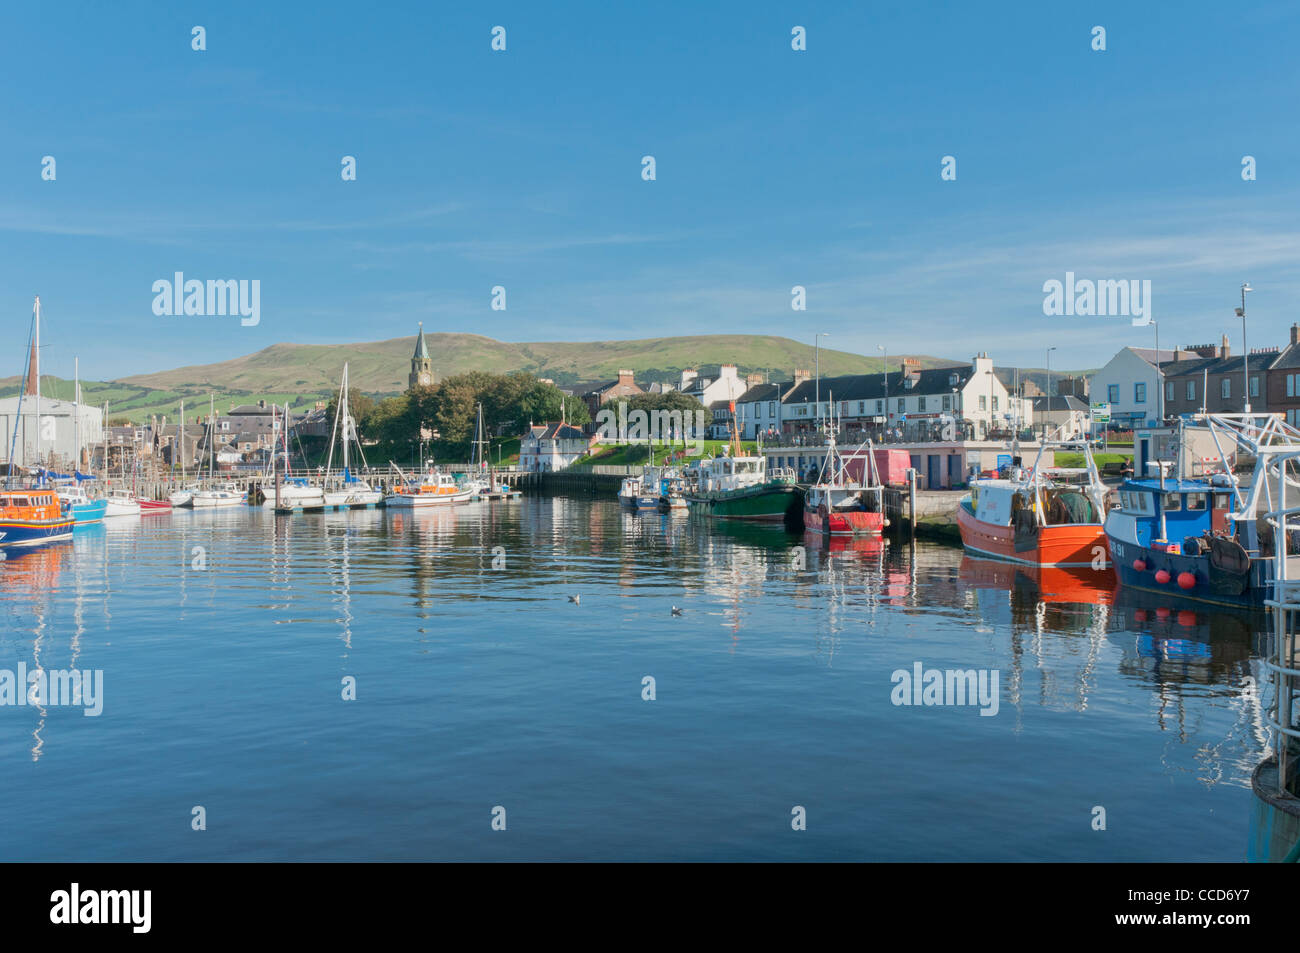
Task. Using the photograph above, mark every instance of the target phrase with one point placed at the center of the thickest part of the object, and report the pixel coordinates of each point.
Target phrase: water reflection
(1068, 642)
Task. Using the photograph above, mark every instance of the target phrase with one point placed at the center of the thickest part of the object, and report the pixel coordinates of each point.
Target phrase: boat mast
(35, 373)
(212, 427)
(76, 416)
(346, 419)
(180, 441)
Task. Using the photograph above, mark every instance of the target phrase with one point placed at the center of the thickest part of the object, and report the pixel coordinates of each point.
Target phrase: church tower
(421, 363)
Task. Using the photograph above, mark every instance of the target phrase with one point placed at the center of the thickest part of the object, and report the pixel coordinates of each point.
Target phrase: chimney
(1224, 350)
(625, 376)
(1295, 334)
(753, 380)
(802, 374)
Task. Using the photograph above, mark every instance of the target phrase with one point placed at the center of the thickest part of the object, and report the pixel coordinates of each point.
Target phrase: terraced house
(911, 400)
(1207, 377)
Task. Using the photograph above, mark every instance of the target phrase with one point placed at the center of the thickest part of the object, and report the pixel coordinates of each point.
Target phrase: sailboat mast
(212, 436)
(76, 416)
(346, 419)
(36, 374)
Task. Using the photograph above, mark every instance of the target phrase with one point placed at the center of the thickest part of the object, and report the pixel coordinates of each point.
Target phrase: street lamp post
(1160, 380)
(817, 365)
(884, 371)
(1047, 403)
(1245, 352)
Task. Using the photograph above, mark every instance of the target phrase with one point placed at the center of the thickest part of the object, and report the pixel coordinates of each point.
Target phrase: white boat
(629, 491)
(121, 503)
(216, 495)
(184, 496)
(350, 490)
(434, 489)
(354, 492)
(224, 494)
(295, 491)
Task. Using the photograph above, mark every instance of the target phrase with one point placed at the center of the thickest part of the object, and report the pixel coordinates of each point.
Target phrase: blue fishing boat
(84, 509)
(1207, 538)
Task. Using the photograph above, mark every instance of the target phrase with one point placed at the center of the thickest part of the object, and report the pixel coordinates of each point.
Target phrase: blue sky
(775, 168)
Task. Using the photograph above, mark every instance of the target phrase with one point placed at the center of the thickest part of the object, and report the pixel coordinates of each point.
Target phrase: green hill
(303, 374)
(381, 367)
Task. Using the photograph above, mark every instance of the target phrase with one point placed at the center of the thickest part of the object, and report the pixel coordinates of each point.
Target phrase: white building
(727, 386)
(1129, 384)
(909, 399)
(550, 447)
(53, 441)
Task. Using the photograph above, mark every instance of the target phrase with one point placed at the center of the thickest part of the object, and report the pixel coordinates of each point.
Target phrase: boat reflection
(1047, 584)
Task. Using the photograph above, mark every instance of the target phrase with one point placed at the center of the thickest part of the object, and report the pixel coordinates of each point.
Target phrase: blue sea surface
(225, 639)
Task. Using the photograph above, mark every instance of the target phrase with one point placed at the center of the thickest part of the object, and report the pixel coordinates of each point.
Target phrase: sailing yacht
(351, 491)
(216, 495)
(293, 491)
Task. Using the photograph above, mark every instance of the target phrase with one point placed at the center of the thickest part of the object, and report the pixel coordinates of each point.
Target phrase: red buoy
(1186, 580)
(1140, 565)
(1162, 613)
(1140, 615)
(1187, 618)
(1162, 576)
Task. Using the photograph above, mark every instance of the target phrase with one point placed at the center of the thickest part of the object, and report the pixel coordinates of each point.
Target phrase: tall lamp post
(884, 371)
(1245, 352)
(1160, 380)
(1047, 403)
(817, 365)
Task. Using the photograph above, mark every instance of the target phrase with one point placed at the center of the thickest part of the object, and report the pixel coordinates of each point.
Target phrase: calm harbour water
(478, 687)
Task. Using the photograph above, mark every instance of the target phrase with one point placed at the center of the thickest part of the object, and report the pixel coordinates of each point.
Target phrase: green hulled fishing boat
(741, 488)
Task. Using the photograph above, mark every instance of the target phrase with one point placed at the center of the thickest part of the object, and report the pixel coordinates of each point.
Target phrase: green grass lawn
(1076, 459)
(508, 448)
(627, 455)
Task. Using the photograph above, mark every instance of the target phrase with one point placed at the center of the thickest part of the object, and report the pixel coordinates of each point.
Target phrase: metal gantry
(1274, 497)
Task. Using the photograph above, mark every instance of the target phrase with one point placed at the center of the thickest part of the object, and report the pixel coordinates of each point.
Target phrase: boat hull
(1065, 545)
(84, 514)
(768, 502)
(844, 522)
(118, 507)
(18, 534)
(1137, 566)
(202, 502)
(419, 501)
(153, 507)
(353, 499)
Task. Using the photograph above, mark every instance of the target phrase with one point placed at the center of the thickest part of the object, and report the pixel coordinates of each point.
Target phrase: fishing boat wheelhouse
(32, 518)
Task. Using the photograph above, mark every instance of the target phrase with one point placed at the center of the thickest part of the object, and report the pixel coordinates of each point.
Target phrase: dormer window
(952, 380)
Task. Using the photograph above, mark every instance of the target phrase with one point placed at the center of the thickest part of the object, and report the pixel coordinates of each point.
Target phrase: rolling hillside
(302, 374)
(381, 367)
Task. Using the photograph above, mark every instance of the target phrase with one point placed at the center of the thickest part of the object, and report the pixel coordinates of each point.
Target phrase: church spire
(421, 363)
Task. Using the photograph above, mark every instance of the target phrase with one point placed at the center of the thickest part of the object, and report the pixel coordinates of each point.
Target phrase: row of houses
(1143, 386)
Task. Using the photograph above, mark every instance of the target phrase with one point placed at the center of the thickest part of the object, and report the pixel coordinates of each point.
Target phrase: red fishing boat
(150, 507)
(838, 506)
(1041, 517)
